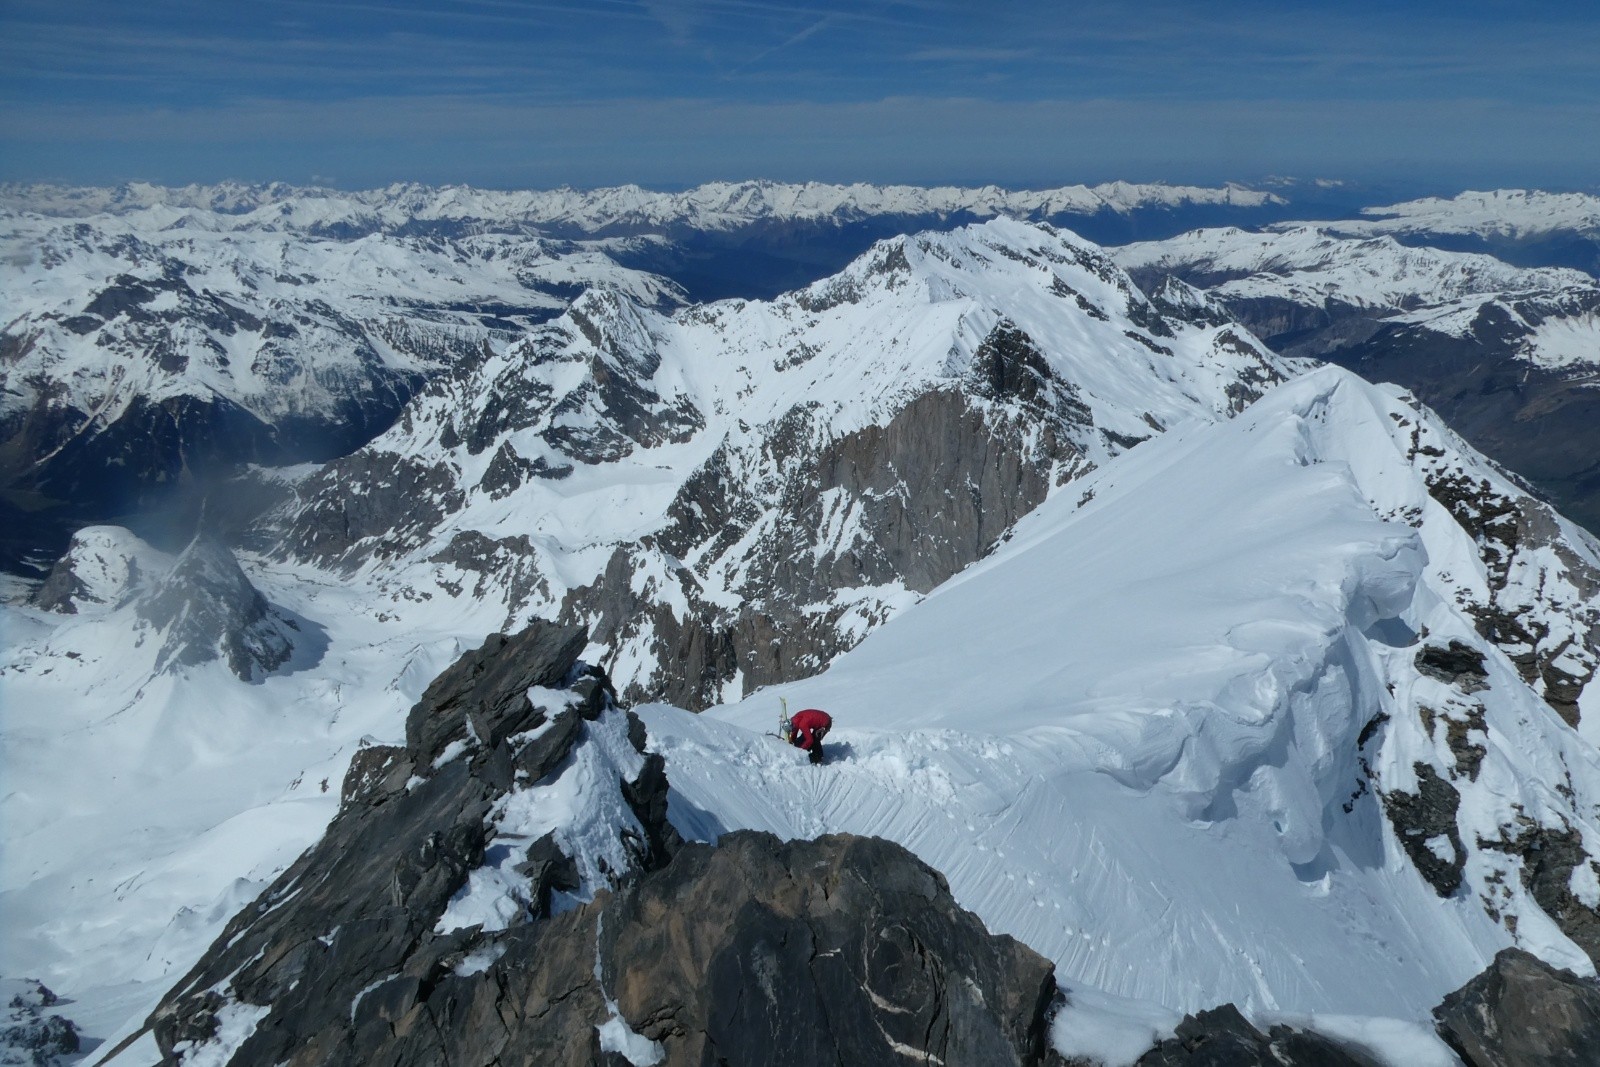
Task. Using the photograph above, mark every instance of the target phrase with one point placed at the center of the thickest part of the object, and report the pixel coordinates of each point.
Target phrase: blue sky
(596, 92)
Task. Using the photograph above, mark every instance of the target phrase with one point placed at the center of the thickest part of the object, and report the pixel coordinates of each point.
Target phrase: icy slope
(734, 493)
(1173, 738)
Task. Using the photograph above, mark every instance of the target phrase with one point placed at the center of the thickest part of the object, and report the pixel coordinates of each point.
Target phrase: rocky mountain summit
(457, 911)
(507, 886)
(782, 476)
(198, 606)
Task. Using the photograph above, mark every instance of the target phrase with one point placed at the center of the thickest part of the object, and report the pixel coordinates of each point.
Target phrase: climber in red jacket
(807, 729)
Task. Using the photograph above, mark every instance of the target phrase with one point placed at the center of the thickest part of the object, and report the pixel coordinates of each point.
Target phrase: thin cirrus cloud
(676, 91)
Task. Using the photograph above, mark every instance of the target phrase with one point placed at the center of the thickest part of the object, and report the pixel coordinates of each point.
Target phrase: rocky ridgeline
(752, 951)
(839, 950)
(1520, 1012)
(147, 357)
(731, 496)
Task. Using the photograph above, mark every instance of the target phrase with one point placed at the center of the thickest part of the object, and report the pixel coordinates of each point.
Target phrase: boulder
(1522, 1012)
(1222, 1037)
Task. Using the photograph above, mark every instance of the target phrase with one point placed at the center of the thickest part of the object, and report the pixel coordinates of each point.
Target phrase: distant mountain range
(1509, 356)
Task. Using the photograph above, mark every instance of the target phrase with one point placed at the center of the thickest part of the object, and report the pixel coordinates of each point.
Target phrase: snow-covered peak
(1516, 213)
(1313, 263)
(101, 567)
(1166, 731)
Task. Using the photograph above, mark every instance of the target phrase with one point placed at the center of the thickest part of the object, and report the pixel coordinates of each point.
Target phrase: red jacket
(810, 726)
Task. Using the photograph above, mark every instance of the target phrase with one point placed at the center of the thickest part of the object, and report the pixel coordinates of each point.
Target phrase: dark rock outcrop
(1459, 665)
(1522, 1012)
(1222, 1037)
(32, 1029)
(206, 609)
(839, 950)
(1425, 823)
(348, 941)
(843, 949)
(1549, 857)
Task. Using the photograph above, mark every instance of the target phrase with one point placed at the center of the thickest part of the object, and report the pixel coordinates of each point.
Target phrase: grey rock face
(402, 499)
(206, 609)
(1554, 642)
(1459, 665)
(1549, 858)
(1222, 1037)
(839, 950)
(342, 953)
(843, 949)
(1522, 1012)
(1425, 823)
(933, 490)
(62, 588)
(32, 1030)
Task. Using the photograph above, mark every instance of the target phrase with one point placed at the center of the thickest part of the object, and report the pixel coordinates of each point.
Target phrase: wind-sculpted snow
(1170, 738)
(733, 494)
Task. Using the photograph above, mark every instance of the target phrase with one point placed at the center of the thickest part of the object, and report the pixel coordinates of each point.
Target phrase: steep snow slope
(1175, 738)
(627, 208)
(733, 494)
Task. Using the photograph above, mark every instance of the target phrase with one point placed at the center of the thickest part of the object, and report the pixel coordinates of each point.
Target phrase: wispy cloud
(789, 42)
(971, 55)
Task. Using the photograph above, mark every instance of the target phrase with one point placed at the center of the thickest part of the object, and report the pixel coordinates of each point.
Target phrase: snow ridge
(1312, 265)
(1161, 735)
